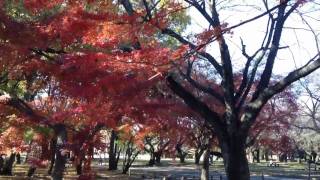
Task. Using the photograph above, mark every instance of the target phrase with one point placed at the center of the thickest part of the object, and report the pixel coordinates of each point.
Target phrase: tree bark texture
(61, 159)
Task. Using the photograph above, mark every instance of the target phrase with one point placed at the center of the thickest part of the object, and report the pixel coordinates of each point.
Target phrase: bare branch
(253, 108)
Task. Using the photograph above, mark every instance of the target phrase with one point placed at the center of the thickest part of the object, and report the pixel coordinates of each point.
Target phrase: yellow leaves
(178, 53)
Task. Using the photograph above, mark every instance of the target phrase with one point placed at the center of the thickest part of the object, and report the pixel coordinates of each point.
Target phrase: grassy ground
(288, 170)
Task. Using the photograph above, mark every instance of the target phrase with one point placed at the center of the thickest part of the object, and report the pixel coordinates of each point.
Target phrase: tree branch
(253, 108)
(210, 116)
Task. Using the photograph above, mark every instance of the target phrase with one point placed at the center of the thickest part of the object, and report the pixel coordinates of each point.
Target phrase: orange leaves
(133, 132)
(180, 52)
(212, 34)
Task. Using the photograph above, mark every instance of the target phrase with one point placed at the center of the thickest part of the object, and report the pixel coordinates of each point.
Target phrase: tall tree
(241, 107)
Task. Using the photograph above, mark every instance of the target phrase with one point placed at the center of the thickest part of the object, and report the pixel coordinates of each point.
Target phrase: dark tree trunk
(31, 171)
(7, 169)
(113, 164)
(205, 165)
(1, 163)
(130, 155)
(152, 160)
(157, 156)
(125, 169)
(234, 157)
(256, 155)
(18, 158)
(79, 167)
(60, 162)
(197, 156)
(181, 154)
(300, 159)
(182, 158)
(53, 145)
(266, 155)
(253, 156)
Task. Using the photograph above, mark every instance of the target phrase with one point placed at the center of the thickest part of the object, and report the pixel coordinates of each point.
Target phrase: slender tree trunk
(257, 155)
(234, 156)
(61, 159)
(152, 160)
(1, 163)
(53, 145)
(266, 154)
(253, 156)
(205, 165)
(158, 155)
(129, 160)
(79, 166)
(112, 151)
(18, 158)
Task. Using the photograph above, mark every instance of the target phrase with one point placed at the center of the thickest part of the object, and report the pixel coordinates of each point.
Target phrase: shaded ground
(169, 169)
(291, 171)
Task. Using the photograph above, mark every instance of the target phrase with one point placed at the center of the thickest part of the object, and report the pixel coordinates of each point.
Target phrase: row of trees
(70, 69)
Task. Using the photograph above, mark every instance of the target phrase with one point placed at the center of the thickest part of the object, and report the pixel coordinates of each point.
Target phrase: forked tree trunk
(61, 159)
(182, 157)
(181, 154)
(234, 157)
(130, 155)
(205, 165)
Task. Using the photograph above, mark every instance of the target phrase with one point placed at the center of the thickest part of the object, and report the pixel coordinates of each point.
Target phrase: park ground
(174, 170)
